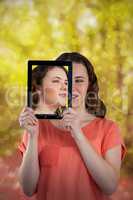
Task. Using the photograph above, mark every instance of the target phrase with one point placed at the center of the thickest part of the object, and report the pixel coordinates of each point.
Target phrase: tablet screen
(49, 88)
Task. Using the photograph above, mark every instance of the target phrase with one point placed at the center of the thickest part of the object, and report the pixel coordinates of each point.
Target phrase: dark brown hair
(93, 103)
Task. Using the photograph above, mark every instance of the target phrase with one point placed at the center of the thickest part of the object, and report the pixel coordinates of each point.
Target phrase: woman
(46, 83)
(78, 157)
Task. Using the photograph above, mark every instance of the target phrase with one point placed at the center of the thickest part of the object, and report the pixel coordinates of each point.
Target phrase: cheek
(50, 95)
(82, 90)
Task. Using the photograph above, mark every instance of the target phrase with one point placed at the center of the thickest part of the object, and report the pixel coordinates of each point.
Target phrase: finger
(68, 120)
(26, 114)
(24, 120)
(68, 127)
(71, 110)
(26, 108)
(25, 111)
(70, 117)
(67, 123)
(29, 108)
(68, 114)
(32, 122)
(29, 123)
(66, 111)
(27, 118)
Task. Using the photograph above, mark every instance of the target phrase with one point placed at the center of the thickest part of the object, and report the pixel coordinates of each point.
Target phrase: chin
(62, 103)
(75, 106)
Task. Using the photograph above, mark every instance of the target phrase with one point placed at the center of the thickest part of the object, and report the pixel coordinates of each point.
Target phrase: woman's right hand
(28, 121)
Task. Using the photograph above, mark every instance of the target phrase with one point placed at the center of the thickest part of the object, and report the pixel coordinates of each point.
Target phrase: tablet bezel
(29, 83)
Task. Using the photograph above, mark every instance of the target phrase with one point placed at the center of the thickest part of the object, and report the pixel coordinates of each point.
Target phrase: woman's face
(54, 87)
(80, 85)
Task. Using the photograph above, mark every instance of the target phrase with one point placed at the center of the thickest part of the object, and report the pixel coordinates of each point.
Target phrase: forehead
(56, 71)
(79, 69)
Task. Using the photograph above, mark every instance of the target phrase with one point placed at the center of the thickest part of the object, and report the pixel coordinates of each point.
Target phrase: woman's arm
(28, 173)
(105, 171)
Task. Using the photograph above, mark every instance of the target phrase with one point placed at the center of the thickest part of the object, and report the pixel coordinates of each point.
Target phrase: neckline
(83, 127)
(90, 123)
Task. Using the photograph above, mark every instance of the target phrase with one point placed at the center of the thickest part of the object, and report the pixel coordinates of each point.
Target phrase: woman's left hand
(71, 121)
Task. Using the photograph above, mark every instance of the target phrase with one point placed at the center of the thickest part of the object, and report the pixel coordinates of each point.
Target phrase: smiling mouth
(74, 96)
(62, 95)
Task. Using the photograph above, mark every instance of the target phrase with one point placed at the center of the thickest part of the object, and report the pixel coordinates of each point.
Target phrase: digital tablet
(49, 88)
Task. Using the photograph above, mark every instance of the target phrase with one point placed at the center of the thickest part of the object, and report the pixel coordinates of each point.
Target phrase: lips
(62, 95)
(74, 96)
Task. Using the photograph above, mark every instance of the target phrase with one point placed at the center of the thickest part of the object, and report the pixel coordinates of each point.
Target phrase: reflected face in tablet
(54, 87)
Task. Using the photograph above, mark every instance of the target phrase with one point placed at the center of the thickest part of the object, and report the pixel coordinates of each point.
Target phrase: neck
(45, 108)
(80, 109)
(83, 114)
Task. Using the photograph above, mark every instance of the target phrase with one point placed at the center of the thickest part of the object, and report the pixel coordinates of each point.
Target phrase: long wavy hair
(93, 103)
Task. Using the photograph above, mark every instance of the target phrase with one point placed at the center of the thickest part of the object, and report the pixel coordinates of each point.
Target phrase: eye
(79, 80)
(55, 81)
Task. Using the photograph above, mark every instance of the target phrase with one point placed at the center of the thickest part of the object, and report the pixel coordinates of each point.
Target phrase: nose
(64, 86)
(74, 87)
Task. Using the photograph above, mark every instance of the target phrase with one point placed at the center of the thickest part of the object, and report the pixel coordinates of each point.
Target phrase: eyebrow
(79, 77)
(58, 77)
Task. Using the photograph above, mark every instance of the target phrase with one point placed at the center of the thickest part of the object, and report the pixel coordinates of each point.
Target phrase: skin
(105, 170)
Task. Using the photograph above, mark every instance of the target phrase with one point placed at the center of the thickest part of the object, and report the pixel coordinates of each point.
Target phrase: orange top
(63, 174)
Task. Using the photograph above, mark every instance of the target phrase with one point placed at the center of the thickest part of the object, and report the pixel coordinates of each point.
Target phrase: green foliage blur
(42, 29)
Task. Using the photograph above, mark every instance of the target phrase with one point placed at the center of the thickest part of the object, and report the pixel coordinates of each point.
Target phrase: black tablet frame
(29, 83)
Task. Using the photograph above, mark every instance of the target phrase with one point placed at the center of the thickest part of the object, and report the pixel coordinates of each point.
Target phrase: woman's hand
(71, 121)
(28, 121)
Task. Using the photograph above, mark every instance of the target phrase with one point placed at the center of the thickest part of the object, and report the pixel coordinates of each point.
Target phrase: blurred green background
(102, 30)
